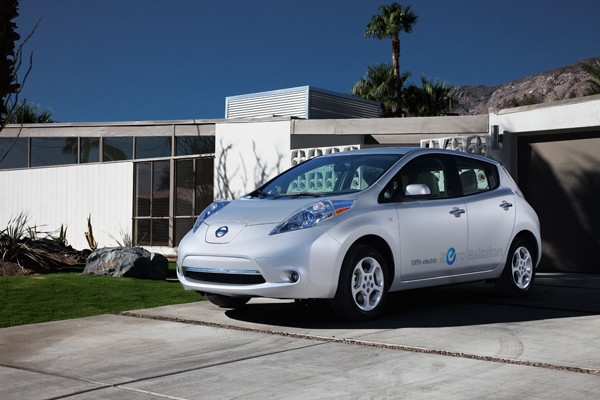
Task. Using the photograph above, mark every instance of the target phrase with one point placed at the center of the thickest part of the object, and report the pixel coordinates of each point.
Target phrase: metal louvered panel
(327, 105)
(268, 105)
(300, 102)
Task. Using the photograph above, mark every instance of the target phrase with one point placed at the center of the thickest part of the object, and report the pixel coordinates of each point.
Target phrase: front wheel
(362, 289)
(227, 301)
(519, 272)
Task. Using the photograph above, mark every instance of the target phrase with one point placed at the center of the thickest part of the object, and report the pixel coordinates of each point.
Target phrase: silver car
(353, 226)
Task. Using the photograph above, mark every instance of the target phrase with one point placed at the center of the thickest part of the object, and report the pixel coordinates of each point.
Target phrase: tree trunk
(396, 54)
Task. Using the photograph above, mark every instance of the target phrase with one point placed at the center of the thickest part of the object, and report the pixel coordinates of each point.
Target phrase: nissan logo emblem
(222, 231)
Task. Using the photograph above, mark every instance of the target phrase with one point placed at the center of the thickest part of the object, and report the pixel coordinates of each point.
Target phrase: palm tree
(594, 71)
(380, 84)
(393, 19)
(431, 100)
(29, 114)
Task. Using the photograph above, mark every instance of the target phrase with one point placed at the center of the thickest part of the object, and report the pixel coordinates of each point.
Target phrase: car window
(476, 176)
(330, 175)
(427, 170)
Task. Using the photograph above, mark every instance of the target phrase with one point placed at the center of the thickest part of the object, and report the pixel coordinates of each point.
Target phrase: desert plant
(61, 238)
(89, 235)
(126, 239)
(16, 243)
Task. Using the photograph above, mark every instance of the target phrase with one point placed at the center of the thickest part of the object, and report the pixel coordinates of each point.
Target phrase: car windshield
(329, 175)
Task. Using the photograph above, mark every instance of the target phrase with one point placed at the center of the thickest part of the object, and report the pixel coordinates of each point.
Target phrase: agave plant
(16, 244)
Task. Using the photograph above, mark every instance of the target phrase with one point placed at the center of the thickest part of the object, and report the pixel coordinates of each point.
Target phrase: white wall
(249, 154)
(567, 115)
(67, 195)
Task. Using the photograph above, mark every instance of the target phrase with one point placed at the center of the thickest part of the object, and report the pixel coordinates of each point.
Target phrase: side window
(426, 170)
(476, 176)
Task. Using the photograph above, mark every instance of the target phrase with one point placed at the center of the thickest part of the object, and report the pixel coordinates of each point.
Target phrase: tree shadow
(261, 171)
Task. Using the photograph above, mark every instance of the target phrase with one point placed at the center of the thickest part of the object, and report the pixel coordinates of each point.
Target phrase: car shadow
(448, 306)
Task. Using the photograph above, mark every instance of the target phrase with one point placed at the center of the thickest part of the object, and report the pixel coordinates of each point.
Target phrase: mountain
(558, 84)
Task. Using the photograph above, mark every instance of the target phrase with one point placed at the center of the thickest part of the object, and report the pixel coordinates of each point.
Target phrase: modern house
(151, 179)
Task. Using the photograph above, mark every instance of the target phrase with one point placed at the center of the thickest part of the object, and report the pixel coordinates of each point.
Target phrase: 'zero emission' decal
(451, 256)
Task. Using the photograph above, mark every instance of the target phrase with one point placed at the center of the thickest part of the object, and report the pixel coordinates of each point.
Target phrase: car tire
(519, 271)
(227, 301)
(362, 286)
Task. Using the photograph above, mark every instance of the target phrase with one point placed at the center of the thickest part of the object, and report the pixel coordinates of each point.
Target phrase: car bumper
(293, 265)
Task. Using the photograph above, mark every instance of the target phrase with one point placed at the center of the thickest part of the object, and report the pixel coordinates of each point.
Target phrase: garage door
(560, 177)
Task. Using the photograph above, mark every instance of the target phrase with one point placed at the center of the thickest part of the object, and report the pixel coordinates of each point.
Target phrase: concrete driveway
(459, 342)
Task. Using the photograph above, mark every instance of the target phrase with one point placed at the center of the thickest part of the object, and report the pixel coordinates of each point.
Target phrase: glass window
(89, 150)
(117, 148)
(143, 183)
(14, 151)
(154, 225)
(161, 186)
(332, 175)
(182, 226)
(184, 192)
(189, 145)
(53, 151)
(204, 184)
(142, 232)
(476, 176)
(152, 147)
(424, 170)
(160, 232)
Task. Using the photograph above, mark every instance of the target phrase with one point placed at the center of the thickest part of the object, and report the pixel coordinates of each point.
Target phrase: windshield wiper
(300, 194)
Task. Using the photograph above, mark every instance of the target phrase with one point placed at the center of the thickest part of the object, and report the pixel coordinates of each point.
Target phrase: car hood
(261, 211)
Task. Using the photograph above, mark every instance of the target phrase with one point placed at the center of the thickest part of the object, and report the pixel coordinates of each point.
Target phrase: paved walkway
(458, 342)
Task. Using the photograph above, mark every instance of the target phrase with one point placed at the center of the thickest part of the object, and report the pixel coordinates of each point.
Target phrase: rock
(134, 262)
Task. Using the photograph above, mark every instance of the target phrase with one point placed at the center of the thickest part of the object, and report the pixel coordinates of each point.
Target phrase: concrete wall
(249, 153)
(67, 195)
(573, 115)
(553, 151)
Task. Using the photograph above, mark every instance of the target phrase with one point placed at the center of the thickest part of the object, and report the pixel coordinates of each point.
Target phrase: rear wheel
(519, 271)
(227, 301)
(362, 289)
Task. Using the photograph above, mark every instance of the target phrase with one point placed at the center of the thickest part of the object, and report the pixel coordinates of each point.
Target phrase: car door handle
(457, 211)
(505, 205)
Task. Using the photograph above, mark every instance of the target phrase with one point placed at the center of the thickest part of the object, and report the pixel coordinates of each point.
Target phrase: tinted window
(336, 174)
(476, 176)
(14, 152)
(89, 150)
(152, 147)
(118, 148)
(188, 145)
(53, 151)
(425, 170)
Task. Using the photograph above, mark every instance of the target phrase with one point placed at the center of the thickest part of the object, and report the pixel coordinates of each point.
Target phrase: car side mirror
(417, 191)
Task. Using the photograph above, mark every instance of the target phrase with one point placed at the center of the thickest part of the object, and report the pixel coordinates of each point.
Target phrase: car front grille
(227, 278)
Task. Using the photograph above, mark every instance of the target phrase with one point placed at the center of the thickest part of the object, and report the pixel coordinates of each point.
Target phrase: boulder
(134, 262)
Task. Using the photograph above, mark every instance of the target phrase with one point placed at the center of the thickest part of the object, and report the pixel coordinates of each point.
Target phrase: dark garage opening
(560, 177)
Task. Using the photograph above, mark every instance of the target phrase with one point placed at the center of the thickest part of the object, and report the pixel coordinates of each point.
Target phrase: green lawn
(65, 295)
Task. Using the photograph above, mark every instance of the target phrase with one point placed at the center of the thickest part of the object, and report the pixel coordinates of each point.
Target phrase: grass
(51, 297)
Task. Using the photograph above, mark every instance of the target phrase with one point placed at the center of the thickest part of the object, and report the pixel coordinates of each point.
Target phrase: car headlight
(312, 214)
(208, 211)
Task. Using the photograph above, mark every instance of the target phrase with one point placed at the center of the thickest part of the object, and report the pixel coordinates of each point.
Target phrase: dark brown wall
(560, 177)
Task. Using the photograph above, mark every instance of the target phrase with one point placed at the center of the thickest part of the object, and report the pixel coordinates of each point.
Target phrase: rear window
(476, 176)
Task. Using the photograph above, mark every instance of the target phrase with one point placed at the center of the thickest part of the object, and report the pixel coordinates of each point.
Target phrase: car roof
(402, 151)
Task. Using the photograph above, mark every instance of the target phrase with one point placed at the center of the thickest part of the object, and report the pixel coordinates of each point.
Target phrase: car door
(432, 230)
(490, 213)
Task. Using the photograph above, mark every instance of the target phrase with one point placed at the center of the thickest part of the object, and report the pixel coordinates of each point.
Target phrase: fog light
(294, 277)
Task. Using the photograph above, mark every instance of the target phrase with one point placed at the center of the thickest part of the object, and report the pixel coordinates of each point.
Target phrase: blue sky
(133, 60)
